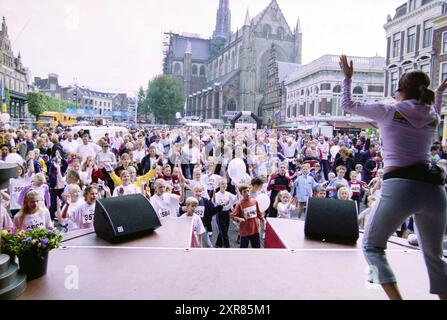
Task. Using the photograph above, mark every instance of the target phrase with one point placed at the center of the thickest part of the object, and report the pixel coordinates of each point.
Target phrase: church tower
(223, 20)
(223, 27)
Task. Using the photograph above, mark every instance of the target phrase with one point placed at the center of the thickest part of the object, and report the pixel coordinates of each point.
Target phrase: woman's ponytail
(415, 84)
(427, 96)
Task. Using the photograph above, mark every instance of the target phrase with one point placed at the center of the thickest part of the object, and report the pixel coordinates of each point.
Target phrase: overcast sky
(116, 45)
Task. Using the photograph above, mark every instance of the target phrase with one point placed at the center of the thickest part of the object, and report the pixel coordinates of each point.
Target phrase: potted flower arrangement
(31, 247)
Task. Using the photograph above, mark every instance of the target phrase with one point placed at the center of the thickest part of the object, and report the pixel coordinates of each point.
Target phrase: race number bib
(210, 185)
(164, 212)
(250, 212)
(36, 225)
(87, 218)
(200, 211)
(17, 189)
(355, 188)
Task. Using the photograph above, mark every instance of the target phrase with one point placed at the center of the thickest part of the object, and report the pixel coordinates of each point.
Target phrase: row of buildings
(17, 79)
(118, 105)
(258, 68)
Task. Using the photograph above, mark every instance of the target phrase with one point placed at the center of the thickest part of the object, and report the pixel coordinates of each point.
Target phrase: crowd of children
(61, 175)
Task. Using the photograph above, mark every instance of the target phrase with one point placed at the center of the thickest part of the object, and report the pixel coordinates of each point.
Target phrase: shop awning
(349, 124)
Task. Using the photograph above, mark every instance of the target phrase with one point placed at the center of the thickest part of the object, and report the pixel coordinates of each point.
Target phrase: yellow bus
(52, 119)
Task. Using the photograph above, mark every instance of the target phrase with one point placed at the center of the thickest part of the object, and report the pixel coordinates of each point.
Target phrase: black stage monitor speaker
(122, 218)
(332, 220)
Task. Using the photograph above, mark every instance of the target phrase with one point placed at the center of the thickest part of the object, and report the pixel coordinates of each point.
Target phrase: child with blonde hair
(197, 224)
(72, 203)
(32, 216)
(283, 203)
(344, 193)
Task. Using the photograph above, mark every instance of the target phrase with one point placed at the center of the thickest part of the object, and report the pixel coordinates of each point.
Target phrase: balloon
(4, 117)
(236, 169)
(263, 202)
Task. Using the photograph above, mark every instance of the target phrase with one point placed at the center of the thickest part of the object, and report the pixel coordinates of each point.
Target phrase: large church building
(228, 73)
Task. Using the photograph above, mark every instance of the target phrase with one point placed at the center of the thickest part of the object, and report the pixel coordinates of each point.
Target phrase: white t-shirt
(71, 213)
(117, 142)
(284, 211)
(40, 220)
(210, 182)
(85, 151)
(289, 151)
(137, 155)
(165, 206)
(82, 217)
(108, 157)
(190, 156)
(15, 186)
(224, 197)
(129, 189)
(70, 146)
(197, 227)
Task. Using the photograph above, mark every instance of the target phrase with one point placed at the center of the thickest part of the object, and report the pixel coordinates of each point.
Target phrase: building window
(177, 69)
(202, 71)
(358, 90)
(325, 86)
(378, 89)
(337, 89)
(411, 39)
(396, 45)
(267, 30)
(194, 69)
(412, 5)
(428, 34)
(231, 105)
(444, 42)
(280, 33)
(426, 68)
(443, 71)
(394, 82)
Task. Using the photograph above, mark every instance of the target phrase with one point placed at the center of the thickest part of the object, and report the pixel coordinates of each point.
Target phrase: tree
(143, 106)
(36, 103)
(165, 98)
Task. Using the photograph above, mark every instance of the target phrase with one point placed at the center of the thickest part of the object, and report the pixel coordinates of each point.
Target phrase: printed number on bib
(87, 218)
(250, 212)
(200, 211)
(164, 213)
(36, 226)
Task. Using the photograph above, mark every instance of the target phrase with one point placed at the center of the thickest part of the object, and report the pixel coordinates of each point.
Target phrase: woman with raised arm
(408, 128)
